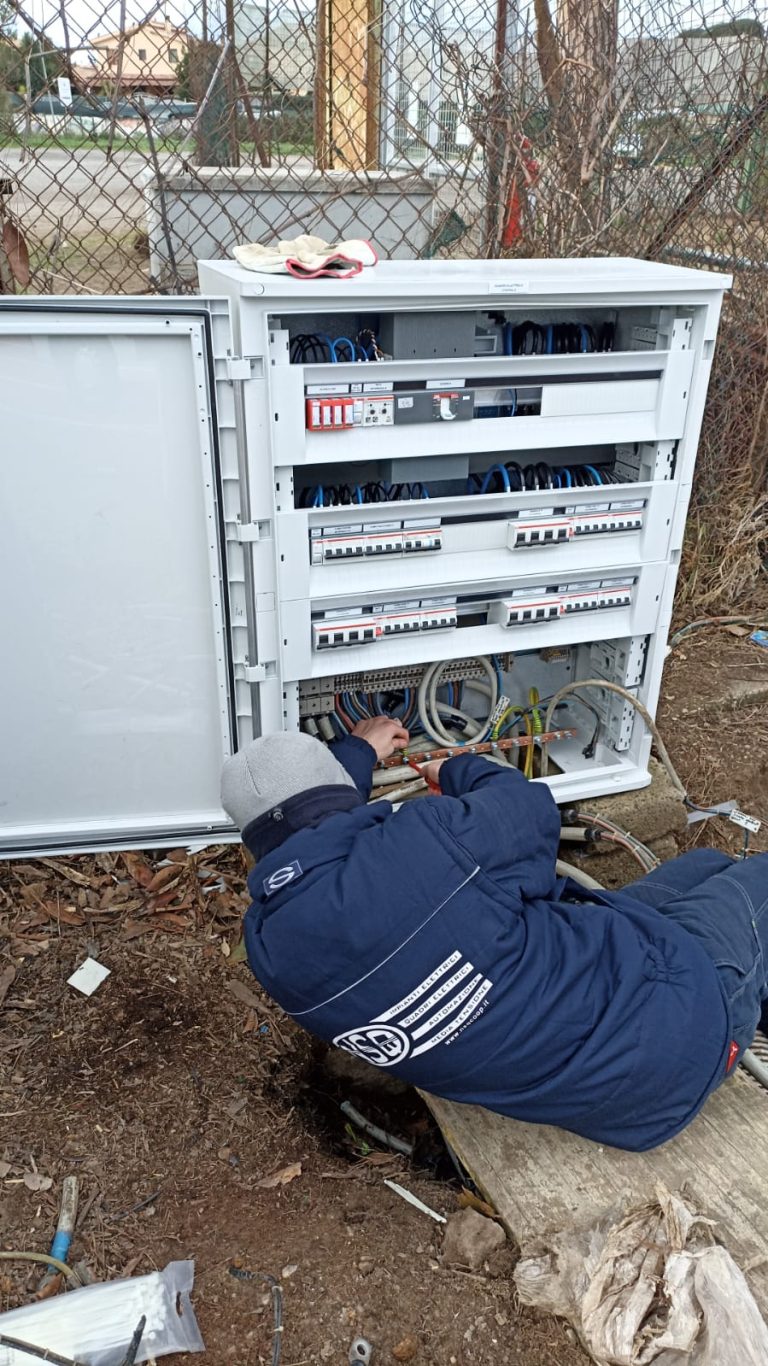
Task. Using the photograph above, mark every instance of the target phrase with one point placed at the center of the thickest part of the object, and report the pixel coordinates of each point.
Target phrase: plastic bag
(606, 1280)
(96, 1324)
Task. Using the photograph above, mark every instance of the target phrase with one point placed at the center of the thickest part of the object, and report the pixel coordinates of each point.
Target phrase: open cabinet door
(118, 696)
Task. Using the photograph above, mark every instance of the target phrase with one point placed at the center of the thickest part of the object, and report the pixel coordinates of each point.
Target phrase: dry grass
(727, 539)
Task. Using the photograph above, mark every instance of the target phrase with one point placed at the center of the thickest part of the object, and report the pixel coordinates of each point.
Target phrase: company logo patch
(382, 1045)
(435, 1012)
(281, 877)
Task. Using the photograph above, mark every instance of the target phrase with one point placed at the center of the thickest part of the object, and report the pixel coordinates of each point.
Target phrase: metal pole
(433, 162)
(231, 85)
(27, 109)
(392, 28)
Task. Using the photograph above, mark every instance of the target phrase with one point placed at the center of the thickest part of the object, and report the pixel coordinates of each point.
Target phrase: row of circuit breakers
(522, 607)
(539, 527)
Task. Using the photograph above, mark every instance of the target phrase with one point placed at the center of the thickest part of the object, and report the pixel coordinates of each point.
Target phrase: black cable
(133, 1346)
(607, 336)
(277, 1305)
(42, 1353)
(528, 339)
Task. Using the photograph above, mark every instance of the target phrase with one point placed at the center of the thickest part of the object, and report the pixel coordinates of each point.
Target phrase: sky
(91, 17)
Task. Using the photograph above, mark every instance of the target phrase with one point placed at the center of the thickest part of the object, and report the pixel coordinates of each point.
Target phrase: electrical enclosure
(283, 501)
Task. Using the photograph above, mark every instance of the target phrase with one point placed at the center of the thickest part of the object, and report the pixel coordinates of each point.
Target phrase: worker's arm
(510, 825)
(371, 740)
(358, 758)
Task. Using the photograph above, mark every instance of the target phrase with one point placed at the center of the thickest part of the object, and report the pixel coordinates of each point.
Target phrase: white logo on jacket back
(434, 1012)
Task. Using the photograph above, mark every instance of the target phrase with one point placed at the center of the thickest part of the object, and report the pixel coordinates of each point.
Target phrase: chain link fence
(137, 137)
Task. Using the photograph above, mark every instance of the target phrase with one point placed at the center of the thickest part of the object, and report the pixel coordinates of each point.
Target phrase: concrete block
(650, 814)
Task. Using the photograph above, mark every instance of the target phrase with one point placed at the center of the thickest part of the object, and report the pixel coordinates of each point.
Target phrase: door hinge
(253, 531)
(238, 368)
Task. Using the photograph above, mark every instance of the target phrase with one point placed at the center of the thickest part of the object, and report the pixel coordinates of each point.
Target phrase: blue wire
(566, 473)
(584, 337)
(496, 662)
(319, 499)
(352, 707)
(495, 469)
(596, 473)
(513, 392)
(555, 479)
(550, 339)
(359, 494)
(342, 341)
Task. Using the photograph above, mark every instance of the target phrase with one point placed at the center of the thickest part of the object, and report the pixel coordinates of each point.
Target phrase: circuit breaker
(450, 492)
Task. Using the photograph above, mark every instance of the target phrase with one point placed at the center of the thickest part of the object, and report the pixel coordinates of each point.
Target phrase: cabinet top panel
(483, 279)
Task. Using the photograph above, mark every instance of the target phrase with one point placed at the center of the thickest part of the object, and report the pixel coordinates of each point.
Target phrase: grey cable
(568, 870)
(639, 708)
(429, 709)
(756, 1068)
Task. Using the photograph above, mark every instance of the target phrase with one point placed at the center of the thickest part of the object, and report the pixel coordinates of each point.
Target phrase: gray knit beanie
(270, 770)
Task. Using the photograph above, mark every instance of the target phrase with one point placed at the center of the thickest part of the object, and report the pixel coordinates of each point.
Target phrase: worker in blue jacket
(438, 941)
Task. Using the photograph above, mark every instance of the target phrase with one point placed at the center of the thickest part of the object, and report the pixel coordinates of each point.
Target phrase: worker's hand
(383, 735)
(431, 771)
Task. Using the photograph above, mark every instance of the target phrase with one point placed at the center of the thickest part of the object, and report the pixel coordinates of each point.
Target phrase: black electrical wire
(133, 1346)
(55, 1358)
(508, 478)
(42, 1353)
(277, 1305)
(310, 348)
(557, 339)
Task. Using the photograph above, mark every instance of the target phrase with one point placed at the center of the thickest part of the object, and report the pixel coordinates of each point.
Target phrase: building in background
(149, 62)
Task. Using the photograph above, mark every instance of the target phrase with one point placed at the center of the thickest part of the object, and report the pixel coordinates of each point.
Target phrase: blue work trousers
(724, 903)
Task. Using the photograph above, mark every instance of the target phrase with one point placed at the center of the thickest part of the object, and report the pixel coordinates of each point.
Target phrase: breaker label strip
(329, 545)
